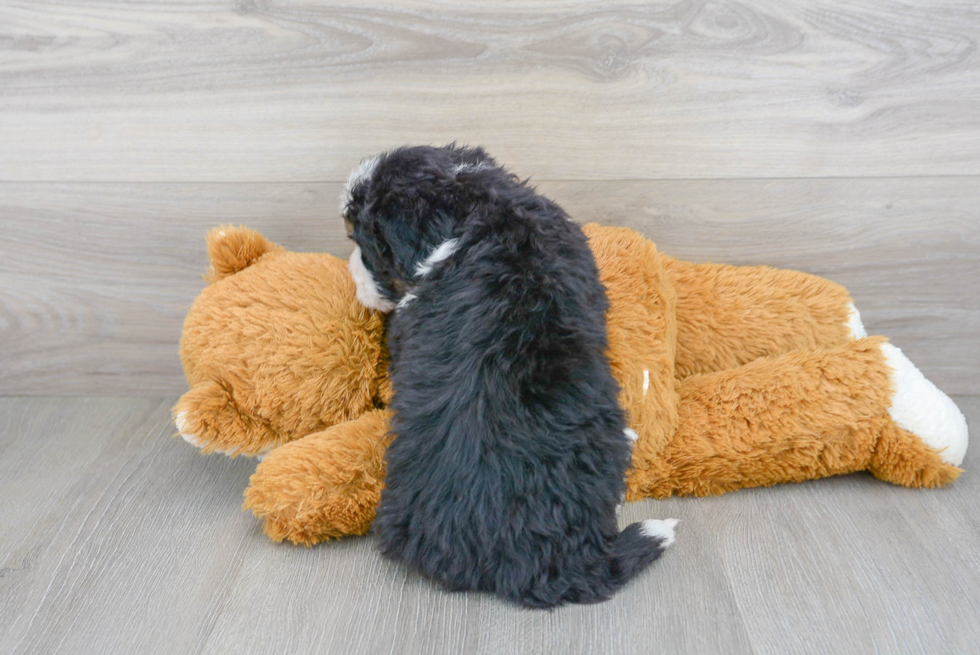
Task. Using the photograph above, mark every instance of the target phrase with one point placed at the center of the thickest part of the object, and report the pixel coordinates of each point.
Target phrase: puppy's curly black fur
(510, 453)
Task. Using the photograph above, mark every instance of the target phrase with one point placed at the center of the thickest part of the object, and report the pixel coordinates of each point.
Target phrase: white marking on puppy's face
(631, 434)
(367, 288)
(407, 298)
(657, 529)
(442, 252)
(362, 172)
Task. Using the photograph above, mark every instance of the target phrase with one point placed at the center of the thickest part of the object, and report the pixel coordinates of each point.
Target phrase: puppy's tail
(636, 548)
(232, 249)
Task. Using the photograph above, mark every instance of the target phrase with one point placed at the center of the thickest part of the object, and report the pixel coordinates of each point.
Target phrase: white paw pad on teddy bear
(921, 408)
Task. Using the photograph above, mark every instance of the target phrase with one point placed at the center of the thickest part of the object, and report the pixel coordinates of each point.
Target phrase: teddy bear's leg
(923, 420)
(807, 415)
(731, 315)
(325, 485)
(208, 417)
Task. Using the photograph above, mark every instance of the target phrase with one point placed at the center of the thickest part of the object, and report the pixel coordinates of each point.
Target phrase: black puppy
(511, 448)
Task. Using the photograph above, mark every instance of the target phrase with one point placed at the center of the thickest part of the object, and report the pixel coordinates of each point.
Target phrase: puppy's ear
(413, 205)
(402, 243)
(412, 239)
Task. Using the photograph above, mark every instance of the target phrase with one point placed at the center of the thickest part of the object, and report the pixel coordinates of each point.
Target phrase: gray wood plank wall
(840, 138)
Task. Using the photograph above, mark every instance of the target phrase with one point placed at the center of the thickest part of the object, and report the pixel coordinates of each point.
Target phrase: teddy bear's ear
(231, 249)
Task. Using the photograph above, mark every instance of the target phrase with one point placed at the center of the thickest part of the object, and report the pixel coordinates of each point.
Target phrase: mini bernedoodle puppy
(511, 447)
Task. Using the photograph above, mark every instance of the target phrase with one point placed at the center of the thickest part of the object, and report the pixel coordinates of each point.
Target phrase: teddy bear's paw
(854, 324)
(207, 418)
(921, 408)
(298, 494)
(180, 420)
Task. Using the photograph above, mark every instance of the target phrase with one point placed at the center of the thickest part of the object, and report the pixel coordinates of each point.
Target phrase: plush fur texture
(510, 452)
(732, 377)
(242, 401)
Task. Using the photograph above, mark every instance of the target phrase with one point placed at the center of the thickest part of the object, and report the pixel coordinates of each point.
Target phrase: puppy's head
(401, 208)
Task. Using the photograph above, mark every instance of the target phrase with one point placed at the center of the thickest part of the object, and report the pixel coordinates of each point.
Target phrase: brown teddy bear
(731, 376)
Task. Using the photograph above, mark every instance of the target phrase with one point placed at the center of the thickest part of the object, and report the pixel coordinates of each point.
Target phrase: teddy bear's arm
(731, 315)
(799, 416)
(325, 485)
(806, 415)
(208, 417)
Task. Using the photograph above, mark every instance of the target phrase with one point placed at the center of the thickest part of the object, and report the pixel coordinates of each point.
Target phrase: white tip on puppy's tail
(638, 546)
(662, 529)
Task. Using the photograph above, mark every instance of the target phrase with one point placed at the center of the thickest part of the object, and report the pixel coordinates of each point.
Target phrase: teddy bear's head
(276, 347)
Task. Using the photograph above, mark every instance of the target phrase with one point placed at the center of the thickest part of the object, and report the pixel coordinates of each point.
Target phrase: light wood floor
(119, 539)
(839, 137)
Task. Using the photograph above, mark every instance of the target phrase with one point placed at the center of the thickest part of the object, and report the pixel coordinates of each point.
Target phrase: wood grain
(354, 602)
(118, 538)
(207, 90)
(865, 566)
(129, 541)
(96, 278)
